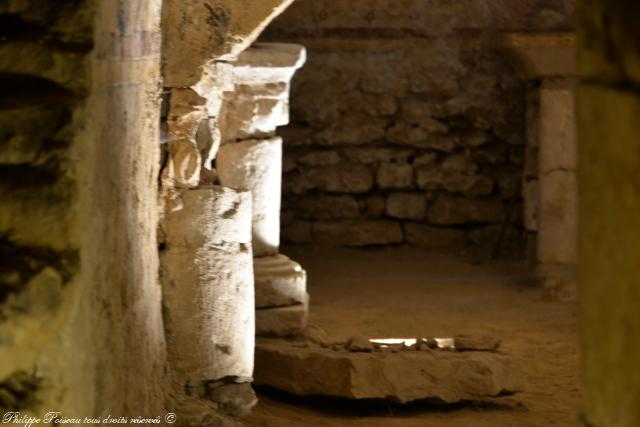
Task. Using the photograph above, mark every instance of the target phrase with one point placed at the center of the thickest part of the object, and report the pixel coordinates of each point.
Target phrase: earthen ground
(407, 292)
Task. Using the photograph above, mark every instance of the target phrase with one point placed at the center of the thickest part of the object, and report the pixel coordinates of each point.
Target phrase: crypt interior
(325, 213)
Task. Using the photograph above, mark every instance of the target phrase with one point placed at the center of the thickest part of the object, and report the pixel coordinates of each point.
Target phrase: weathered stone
(540, 55)
(427, 236)
(279, 282)
(341, 178)
(378, 154)
(425, 159)
(282, 321)
(411, 206)
(207, 259)
(475, 343)
(297, 232)
(357, 233)
(558, 146)
(296, 135)
(260, 101)
(419, 137)
(359, 345)
(197, 32)
(328, 207)
(557, 221)
(456, 174)
(403, 377)
(374, 206)
(256, 165)
(450, 210)
(353, 130)
(21, 139)
(236, 399)
(397, 176)
(320, 158)
(493, 155)
(254, 116)
(265, 63)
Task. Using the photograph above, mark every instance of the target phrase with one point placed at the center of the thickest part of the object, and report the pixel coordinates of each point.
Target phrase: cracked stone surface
(307, 369)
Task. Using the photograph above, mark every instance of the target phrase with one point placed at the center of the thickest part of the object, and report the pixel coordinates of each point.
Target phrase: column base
(559, 281)
(279, 281)
(282, 302)
(282, 321)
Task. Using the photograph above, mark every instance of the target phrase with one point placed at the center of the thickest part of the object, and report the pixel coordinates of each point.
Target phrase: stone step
(303, 368)
(282, 321)
(279, 282)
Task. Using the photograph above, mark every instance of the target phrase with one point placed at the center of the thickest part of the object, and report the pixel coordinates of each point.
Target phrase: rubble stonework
(413, 129)
(405, 97)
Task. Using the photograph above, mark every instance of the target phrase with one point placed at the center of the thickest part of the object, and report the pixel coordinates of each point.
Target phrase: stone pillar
(609, 241)
(250, 158)
(207, 279)
(558, 192)
(549, 187)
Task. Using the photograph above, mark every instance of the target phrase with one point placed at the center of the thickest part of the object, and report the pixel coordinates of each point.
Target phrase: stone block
(197, 32)
(357, 233)
(320, 158)
(279, 282)
(342, 178)
(558, 140)
(457, 174)
(378, 154)
(256, 166)
(430, 237)
(558, 217)
(416, 136)
(328, 207)
(397, 176)
(452, 210)
(265, 63)
(411, 206)
(402, 376)
(374, 206)
(254, 116)
(282, 321)
(207, 263)
(353, 130)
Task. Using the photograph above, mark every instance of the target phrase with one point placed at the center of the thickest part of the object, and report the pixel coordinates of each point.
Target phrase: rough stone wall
(80, 316)
(44, 79)
(609, 209)
(406, 125)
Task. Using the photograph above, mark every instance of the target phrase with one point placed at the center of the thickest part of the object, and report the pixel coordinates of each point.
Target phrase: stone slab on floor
(306, 369)
(279, 282)
(282, 321)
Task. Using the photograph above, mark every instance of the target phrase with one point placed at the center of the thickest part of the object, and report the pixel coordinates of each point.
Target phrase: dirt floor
(406, 292)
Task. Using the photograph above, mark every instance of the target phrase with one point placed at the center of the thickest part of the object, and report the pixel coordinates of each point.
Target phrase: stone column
(550, 193)
(558, 192)
(250, 158)
(207, 278)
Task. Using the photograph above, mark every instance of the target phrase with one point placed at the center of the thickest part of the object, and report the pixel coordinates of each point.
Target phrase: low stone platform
(401, 374)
